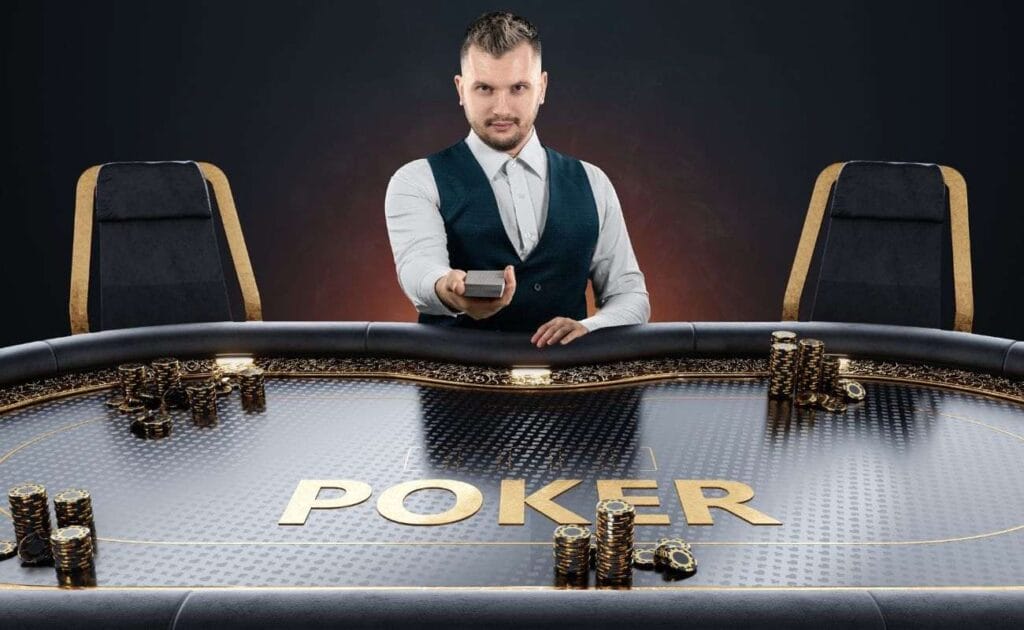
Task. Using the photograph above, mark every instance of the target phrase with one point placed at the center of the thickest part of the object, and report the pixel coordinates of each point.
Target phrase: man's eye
(483, 88)
(519, 88)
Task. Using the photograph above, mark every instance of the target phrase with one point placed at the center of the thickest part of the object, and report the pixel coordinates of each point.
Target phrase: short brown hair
(498, 32)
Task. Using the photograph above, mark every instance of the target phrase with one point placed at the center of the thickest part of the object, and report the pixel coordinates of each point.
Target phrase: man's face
(502, 96)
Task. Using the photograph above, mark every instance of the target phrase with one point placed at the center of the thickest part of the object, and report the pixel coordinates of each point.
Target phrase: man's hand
(560, 328)
(451, 287)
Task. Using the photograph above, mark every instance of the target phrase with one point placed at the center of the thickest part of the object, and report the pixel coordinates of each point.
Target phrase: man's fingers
(553, 327)
(457, 281)
(540, 331)
(558, 333)
(578, 332)
(510, 285)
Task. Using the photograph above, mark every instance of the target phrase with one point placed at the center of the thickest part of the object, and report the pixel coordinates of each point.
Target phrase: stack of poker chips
(675, 556)
(818, 379)
(782, 369)
(812, 354)
(31, 514)
(829, 374)
(783, 336)
(572, 549)
(614, 561)
(251, 384)
(166, 375)
(202, 400)
(153, 425)
(74, 507)
(132, 378)
(73, 556)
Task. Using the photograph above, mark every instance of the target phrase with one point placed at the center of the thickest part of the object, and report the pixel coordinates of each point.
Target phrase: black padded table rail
(905, 510)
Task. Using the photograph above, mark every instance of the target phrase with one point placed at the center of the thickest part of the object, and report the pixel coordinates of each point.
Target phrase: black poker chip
(34, 550)
(680, 560)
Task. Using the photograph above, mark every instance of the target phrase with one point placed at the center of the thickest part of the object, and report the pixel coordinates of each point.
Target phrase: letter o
(468, 501)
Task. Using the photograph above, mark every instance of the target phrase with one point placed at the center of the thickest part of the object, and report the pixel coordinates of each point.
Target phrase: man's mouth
(502, 126)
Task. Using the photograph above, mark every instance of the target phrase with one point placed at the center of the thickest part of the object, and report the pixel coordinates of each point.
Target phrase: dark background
(711, 118)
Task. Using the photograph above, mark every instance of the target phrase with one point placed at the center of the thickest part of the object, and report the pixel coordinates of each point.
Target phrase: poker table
(413, 475)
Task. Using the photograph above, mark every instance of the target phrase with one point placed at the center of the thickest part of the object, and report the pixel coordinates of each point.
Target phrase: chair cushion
(159, 262)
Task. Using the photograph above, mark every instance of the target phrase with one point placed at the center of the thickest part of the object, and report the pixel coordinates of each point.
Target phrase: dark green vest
(552, 281)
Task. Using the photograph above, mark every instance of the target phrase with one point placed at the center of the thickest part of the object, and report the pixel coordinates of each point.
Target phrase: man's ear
(458, 87)
(543, 86)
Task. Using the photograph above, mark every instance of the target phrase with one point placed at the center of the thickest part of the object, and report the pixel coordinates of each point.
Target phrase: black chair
(158, 257)
(896, 248)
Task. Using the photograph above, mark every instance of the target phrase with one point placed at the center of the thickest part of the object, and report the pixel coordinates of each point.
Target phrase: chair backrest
(158, 258)
(887, 227)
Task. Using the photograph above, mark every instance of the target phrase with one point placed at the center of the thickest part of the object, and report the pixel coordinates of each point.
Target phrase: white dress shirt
(416, 229)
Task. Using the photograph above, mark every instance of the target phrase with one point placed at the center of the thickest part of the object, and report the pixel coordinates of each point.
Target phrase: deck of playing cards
(484, 284)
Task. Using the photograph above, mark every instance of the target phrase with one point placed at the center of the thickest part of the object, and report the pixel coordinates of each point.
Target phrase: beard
(500, 143)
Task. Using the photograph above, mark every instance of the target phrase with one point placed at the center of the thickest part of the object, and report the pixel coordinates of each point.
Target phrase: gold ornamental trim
(489, 377)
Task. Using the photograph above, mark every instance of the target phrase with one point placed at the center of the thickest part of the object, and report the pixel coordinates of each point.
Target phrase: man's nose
(502, 104)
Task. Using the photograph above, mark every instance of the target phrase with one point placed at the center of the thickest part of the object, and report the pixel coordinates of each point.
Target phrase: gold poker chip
(681, 561)
(26, 491)
(643, 558)
(852, 390)
(8, 549)
(572, 533)
(615, 507)
(74, 533)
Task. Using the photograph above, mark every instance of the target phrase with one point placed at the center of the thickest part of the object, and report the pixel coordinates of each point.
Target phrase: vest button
(536, 287)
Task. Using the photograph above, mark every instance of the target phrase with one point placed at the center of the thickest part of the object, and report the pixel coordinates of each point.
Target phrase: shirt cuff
(431, 303)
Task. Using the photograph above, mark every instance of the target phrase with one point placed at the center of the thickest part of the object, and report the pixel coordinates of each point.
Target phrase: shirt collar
(492, 161)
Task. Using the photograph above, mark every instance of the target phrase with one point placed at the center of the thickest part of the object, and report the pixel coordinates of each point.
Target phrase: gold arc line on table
(466, 543)
(43, 436)
(981, 424)
(687, 587)
(52, 432)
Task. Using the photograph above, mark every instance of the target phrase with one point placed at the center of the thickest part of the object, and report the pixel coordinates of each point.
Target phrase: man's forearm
(623, 309)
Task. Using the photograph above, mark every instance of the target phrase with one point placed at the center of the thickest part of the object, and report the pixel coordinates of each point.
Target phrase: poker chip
(30, 512)
(8, 549)
(832, 404)
(806, 399)
(615, 530)
(132, 379)
(783, 336)
(782, 370)
(202, 399)
(572, 549)
(665, 546)
(34, 550)
(251, 386)
(166, 374)
(73, 556)
(154, 425)
(852, 390)
(812, 355)
(643, 558)
(74, 507)
(829, 374)
(679, 560)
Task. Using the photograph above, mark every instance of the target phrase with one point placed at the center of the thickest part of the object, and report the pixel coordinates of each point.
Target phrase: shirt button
(536, 287)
